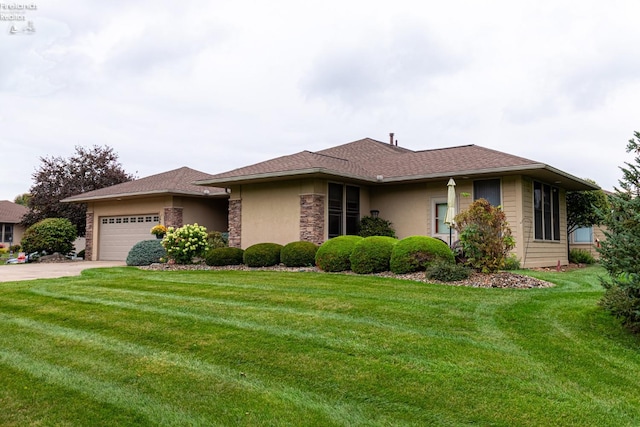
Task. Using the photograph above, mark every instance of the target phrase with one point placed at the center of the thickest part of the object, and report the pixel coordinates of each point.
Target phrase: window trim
(434, 226)
(583, 242)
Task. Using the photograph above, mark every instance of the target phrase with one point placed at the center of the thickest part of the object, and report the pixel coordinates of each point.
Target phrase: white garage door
(118, 234)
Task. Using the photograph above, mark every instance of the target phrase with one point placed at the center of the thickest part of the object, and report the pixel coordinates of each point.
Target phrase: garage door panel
(118, 234)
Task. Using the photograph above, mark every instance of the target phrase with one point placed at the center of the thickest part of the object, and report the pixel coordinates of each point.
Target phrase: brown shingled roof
(11, 213)
(177, 181)
(372, 161)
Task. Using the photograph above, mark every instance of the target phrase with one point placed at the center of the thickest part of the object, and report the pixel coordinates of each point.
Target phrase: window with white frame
(440, 214)
(582, 235)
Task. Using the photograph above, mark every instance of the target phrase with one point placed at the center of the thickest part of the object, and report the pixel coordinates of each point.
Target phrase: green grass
(123, 346)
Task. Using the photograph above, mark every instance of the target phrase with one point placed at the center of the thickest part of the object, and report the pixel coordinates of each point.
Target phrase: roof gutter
(137, 194)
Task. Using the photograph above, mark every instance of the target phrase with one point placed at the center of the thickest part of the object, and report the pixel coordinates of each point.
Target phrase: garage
(118, 234)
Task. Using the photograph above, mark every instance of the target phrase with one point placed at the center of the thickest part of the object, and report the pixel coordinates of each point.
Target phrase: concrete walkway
(14, 272)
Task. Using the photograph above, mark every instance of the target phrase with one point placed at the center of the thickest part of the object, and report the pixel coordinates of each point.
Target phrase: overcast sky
(216, 85)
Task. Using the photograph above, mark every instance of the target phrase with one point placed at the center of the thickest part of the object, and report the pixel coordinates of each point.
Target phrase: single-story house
(121, 215)
(314, 196)
(11, 214)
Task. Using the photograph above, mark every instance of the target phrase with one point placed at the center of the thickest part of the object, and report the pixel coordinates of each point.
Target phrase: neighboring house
(314, 196)
(10, 216)
(587, 239)
(121, 215)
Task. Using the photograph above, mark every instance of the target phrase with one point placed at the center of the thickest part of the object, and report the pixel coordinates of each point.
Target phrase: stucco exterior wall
(406, 206)
(270, 212)
(210, 213)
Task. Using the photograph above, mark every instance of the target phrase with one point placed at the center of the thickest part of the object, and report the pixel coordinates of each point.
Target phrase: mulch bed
(502, 279)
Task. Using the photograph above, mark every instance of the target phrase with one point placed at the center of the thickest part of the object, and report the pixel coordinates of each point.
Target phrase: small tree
(50, 235)
(485, 236)
(620, 251)
(22, 199)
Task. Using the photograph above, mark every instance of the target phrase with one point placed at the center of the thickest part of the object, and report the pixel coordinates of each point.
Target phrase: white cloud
(219, 85)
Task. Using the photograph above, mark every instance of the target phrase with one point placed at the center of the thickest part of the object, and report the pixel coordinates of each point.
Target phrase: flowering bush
(185, 243)
(159, 230)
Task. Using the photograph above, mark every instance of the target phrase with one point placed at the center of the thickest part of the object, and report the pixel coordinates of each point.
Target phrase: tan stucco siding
(210, 213)
(541, 253)
(406, 206)
(271, 212)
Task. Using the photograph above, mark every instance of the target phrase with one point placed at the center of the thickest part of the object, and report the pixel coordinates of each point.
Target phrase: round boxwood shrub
(262, 255)
(224, 256)
(414, 253)
(372, 254)
(50, 235)
(299, 254)
(333, 255)
(146, 252)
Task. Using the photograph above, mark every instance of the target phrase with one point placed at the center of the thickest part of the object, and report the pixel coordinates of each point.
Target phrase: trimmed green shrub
(224, 256)
(50, 235)
(216, 239)
(416, 252)
(15, 248)
(511, 263)
(372, 254)
(333, 255)
(370, 226)
(262, 255)
(580, 256)
(146, 252)
(444, 271)
(299, 254)
(185, 243)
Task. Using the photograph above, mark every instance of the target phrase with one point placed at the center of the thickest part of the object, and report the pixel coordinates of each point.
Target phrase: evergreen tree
(620, 252)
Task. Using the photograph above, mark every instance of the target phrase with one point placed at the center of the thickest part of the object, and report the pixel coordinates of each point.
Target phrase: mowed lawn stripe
(268, 348)
(121, 349)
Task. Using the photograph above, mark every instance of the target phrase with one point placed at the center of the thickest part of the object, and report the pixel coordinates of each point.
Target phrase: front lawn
(123, 346)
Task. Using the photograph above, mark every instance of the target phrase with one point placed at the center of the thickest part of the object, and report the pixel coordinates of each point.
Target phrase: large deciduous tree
(620, 252)
(57, 178)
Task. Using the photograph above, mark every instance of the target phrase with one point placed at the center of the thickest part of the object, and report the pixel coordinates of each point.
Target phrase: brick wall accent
(235, 223)
(173, 217)
(88, 249)
(312, 218)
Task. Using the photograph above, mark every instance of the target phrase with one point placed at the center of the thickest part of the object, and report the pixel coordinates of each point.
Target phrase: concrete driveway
(14, 272)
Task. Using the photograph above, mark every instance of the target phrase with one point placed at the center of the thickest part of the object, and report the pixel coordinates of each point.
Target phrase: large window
(546, 210)
(344, 209)
(488, 189)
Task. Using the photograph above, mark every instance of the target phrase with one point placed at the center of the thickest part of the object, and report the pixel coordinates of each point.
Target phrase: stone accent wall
(88, 249)
(173, 217)
(312, 218)
(235, 223)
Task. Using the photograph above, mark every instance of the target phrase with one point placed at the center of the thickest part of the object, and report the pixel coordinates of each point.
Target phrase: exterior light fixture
(374, 213)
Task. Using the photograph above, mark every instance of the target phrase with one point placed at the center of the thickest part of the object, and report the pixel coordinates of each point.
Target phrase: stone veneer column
(312, 218)
(235, 223)
(173, 217)
(88, 248)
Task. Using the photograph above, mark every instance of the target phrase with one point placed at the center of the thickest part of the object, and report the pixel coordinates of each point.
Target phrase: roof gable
(177, 181)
